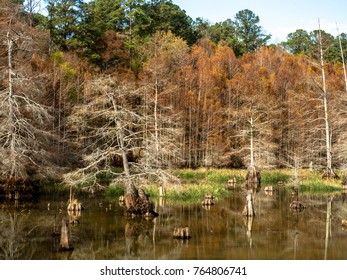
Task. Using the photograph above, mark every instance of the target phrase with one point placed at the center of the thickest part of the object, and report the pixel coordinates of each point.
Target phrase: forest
(128, 89)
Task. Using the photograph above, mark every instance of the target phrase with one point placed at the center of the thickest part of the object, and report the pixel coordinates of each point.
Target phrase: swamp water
(217, 232)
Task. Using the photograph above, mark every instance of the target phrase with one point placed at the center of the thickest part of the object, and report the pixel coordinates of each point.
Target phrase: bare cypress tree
(111, 127)
(163, 125)
(23, 118)
(329, 173)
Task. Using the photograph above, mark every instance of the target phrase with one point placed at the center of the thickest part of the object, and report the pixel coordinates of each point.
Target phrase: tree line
(91, 87)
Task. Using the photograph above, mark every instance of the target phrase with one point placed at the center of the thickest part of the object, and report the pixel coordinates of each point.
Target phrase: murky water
(219, 232)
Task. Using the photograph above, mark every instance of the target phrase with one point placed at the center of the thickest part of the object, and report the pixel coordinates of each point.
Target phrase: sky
(277, 17)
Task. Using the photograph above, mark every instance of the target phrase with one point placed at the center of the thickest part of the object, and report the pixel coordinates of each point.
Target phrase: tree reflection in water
(15, 231)
(138, 238)
(221, 232)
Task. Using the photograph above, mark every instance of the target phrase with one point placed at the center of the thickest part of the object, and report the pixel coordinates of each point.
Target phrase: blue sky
(277, 17)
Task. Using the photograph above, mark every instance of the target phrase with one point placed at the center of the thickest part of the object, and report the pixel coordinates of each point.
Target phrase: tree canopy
(249, 32)
(178, 92)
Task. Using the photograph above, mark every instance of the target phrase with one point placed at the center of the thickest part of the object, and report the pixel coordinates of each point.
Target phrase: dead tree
(249, 207)
(329, 173)
(65, 237)
(112, 125)
(253, 179)
(253, 176)
(24, 134)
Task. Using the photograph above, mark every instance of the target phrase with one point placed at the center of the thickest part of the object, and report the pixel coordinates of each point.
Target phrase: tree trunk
(251, 143)
(253, 179)
(325, 101)
(329, 171)
(249, 207)
(12, 117)
(155, 113)
(65, 237)
(136, 202)
(130, 188)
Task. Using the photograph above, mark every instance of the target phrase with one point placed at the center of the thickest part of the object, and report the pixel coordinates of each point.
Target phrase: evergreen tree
(98, 17)
(63, 19)
(306, 43)
(298, 42)
(226, 31)
(249, 32)
(163, 15)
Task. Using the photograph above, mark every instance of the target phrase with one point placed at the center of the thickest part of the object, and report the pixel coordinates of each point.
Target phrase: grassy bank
(312, 182)
(220, 177)
(195, 183)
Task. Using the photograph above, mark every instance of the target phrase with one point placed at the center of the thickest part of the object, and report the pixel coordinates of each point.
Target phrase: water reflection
(139, 239)
(328, 226)
(218, 232)
(17, 230)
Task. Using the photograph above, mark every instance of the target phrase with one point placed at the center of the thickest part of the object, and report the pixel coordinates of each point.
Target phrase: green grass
(195, 183)
(221, 176)
(188, 192)
(216, 177)
(114, 191)
(309, 181)
(318, 187)
(312, 182)
(53, 187)
(275, 176)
